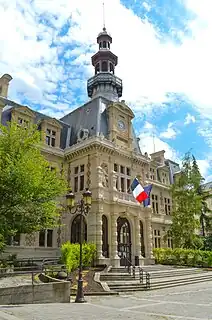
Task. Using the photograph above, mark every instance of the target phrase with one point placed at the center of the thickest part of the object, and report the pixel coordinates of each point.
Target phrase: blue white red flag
(138, 191)
(148, 190)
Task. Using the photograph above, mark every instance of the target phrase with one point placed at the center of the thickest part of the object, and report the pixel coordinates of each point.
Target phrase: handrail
(143, 275)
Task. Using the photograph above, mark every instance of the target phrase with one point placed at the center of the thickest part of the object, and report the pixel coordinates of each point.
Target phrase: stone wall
(55, 292)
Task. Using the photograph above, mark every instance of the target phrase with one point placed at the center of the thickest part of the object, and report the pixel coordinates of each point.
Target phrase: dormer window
(50, 137)
(23, 122)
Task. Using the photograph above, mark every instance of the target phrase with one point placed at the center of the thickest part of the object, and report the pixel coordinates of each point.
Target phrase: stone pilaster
(114, 243)
(148, 228)
(138, 241)
(99, 232)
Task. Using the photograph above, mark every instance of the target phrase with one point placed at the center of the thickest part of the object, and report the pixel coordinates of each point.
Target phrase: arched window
(100, 45)
(111, 68)
(75, 230)
(142, 239)
(104, 44)
(97, 68)
(105, 246)
(104, 66)
(108, 45)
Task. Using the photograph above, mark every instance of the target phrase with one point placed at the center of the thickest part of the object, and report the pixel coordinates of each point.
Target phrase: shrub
(70, 255)
(183, 257)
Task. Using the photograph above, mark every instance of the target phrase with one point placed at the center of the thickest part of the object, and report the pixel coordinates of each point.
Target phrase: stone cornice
(157, 184)
(104, 145)
(53, 151)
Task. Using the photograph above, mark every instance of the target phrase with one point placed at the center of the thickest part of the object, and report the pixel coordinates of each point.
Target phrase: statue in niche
(105, 181)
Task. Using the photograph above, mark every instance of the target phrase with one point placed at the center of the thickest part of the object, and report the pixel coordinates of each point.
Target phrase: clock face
(121, 125)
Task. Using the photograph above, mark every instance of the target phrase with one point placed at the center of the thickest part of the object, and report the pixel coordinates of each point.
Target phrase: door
(124, 241)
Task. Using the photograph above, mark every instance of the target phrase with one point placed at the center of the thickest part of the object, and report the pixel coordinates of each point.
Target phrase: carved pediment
(24, 110)
(52, 121)
(122, 107)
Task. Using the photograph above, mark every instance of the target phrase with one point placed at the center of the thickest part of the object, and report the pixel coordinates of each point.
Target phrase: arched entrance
(75, 230)
(105, 246)
(142, 239)
(124, 241)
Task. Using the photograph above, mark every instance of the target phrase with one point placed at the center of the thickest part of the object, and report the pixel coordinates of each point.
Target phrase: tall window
(157, 238)
(50, 137)
(79, 178)
(170, 243)
(46, 238)
(155, 203)
(167, 206)
(152, 174)
(23, 122)
(124, 180)
(14, 240)
(165, 178)
(75, 230)
(104, 66)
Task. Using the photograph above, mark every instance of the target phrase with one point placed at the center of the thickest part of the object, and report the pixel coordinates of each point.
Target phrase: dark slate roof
(89, 116)
(207, 186)
(173, 169)
(92, 116)
(10, 105)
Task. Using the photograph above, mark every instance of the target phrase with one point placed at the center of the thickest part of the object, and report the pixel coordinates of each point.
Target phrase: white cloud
(155, 68)
(204, 166)
(170, 132)
(189, 119)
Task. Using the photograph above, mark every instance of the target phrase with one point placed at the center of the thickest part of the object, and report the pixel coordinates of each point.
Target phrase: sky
(165, 62)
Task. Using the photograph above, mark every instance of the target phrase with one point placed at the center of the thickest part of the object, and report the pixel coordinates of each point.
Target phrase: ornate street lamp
(82, 207)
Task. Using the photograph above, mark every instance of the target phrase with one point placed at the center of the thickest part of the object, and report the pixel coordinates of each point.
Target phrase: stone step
(158, 285)
(107, 278)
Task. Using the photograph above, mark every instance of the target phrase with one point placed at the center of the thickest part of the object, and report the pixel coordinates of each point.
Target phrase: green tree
(187, 205)
(29, 190)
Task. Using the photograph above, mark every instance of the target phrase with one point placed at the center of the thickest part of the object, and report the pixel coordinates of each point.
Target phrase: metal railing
(144, 276)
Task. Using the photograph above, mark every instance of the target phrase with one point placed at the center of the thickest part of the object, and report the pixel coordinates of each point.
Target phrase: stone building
(97, 147)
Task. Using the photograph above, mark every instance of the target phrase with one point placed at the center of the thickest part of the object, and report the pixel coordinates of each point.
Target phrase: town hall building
(96, 146)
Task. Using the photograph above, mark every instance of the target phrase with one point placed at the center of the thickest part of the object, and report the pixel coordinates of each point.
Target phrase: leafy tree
(187, 205)
(29, 190)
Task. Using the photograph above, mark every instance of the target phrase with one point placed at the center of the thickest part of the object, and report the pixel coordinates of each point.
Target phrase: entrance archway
(75, 230)
(105, 246)
(142, 239)
(124, 241)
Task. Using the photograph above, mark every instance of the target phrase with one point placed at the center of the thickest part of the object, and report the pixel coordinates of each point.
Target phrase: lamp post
(82, 207)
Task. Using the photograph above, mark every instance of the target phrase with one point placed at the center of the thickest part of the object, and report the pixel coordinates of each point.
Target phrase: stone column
(148, 228)
(138, 241)
(114, 243)
(99, 214)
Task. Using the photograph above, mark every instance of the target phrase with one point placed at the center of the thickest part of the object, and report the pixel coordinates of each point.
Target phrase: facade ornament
(30, 240)
(105, 181)
(82, 135)
(114, 180)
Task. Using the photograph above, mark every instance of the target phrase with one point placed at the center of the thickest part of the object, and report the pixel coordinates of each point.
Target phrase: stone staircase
(151, 277)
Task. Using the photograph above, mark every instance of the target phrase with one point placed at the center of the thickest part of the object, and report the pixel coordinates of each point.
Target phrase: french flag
(138, 191)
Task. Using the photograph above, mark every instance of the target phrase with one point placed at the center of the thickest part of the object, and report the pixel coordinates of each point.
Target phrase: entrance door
(124, 241)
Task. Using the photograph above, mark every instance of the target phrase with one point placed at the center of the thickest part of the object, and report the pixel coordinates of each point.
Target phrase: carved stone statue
(105, 181)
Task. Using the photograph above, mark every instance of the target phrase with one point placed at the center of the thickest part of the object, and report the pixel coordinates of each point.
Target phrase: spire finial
(103, 7)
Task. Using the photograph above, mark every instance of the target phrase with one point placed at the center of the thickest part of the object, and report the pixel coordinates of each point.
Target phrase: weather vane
(103, 5)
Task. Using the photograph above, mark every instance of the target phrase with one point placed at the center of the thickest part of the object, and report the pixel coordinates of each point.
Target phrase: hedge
(70, 254)
(183, 257)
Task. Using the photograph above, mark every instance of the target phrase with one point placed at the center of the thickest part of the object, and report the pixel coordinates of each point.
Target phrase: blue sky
(165, 61)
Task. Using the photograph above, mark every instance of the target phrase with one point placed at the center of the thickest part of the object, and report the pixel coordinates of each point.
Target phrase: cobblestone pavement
(191, 302)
